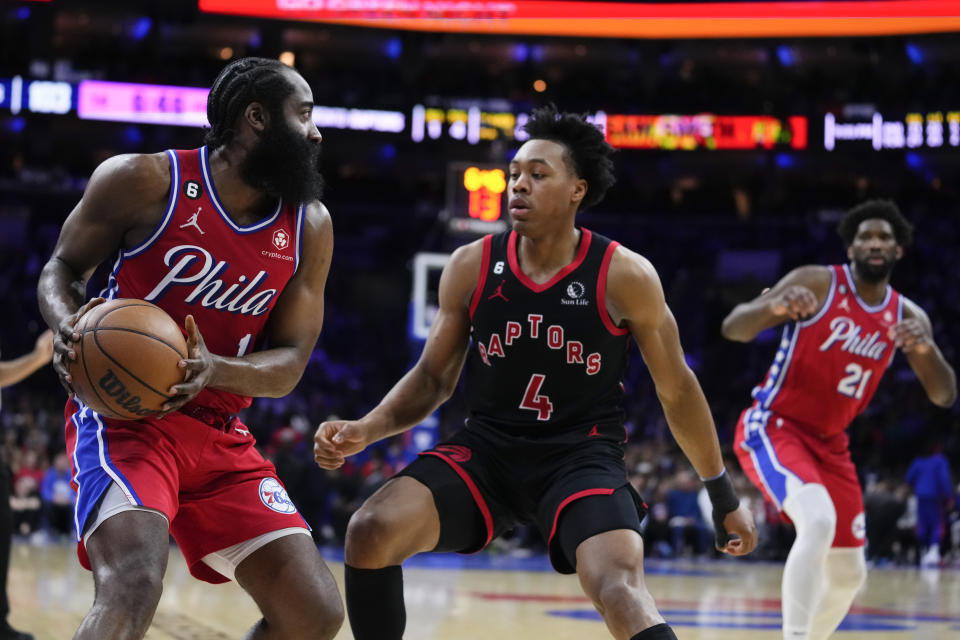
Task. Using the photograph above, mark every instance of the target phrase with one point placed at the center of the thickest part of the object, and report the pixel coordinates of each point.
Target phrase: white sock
(846, 573)
(804, 575)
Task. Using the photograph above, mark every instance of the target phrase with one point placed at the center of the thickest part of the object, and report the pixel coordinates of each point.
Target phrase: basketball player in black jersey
(542, 315)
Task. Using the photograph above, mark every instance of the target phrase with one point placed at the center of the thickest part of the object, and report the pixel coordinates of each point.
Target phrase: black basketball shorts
(485, 482)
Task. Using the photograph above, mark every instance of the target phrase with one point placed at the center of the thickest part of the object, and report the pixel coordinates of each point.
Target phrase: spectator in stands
(883, 508)
(929, 475)
(11, 372)
(58, 497)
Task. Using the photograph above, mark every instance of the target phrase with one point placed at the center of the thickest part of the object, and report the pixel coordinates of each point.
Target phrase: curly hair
(587, 152)
(882, 209)
(241, 82)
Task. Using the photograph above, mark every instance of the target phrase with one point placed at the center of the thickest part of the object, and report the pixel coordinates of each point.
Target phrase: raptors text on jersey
(544, 357)
(828, 367)
(200, 262)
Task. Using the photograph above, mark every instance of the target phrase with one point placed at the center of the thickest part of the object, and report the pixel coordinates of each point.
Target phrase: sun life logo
(281, 239)
(274, 496)
(575, 293)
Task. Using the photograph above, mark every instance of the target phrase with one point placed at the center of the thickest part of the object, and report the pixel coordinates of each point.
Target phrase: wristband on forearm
(723, 497)
(724, 500)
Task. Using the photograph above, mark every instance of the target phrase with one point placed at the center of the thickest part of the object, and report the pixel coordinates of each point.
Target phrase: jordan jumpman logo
(499, 292)
(192, 222)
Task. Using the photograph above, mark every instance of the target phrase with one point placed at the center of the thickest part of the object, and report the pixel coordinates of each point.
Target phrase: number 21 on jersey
(533, 401)
(855, 382)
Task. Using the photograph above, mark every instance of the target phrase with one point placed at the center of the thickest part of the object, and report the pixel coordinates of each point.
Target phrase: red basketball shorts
(780, 455)
(213, 486)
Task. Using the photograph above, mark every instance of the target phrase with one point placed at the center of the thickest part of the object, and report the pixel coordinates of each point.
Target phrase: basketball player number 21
(534, 401)
(853, 384)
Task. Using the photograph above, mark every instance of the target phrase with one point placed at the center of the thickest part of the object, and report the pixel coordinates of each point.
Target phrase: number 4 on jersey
(533, 401)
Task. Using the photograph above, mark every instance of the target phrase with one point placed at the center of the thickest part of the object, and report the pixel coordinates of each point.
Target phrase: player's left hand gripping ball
(199, 366)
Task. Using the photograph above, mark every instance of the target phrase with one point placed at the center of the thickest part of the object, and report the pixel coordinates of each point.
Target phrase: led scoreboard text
(146, 103)
(693, 19)
(474, 196)
(933, 130)
(485, 188)
(705, 131)
(475, 121)
(468, 123)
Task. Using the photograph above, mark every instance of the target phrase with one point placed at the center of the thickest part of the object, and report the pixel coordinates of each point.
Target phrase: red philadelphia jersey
(828, 367)
(199, 261)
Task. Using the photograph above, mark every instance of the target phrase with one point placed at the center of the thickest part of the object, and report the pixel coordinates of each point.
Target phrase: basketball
(127, 358)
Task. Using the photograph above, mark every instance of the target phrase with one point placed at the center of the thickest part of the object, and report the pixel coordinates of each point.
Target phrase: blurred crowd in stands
(364, 348)
(718, 225)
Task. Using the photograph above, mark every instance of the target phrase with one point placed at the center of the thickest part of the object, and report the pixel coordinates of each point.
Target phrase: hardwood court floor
(455, 598)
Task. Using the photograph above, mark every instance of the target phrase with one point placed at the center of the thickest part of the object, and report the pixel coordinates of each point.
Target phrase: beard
(874, 273)
(284, 164)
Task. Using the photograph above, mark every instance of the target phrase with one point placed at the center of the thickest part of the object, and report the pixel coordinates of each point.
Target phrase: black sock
(656, 632)
(375, 602)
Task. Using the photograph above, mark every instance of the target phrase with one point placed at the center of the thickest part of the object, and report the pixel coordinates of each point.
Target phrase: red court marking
(738, 604)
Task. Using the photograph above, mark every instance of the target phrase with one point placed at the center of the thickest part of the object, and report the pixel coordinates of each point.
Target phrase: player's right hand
(740, 532)
(64, 343)
(337, 439)
(796, 302)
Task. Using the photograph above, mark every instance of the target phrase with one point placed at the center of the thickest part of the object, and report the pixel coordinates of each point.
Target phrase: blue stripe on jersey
(784, 356)
(171, 207)
(301, 212)
(778, 370)
(893, 352)
(212, 192)
(94, 470)
(110, 291)
(771, 471)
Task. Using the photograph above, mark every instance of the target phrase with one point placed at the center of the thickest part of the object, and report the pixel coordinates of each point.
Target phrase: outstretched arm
(635, 297)
(13, 371)
(798, 296)
(914, 336)
(431, 380)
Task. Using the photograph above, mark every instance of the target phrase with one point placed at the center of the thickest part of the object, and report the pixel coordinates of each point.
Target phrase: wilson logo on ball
(114, 387)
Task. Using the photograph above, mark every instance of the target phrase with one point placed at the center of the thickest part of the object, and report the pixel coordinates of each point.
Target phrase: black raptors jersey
(545, 358)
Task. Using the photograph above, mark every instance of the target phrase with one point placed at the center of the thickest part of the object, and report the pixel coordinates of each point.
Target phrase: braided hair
(241, 82)
(587, 152)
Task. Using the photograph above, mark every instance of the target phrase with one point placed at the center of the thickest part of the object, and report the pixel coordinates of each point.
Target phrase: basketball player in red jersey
(844, 324)
(231, 240)
(550, 308)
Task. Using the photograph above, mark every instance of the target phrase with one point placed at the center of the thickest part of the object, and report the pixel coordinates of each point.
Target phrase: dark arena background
(744, 132)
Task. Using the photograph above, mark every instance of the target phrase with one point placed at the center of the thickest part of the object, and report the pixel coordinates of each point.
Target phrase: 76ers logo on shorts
(275, 497)
(859, 526)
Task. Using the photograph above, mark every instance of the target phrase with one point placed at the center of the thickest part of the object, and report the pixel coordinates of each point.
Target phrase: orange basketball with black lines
(127, 358)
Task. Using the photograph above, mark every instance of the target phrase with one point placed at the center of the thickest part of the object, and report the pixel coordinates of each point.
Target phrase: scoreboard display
(703, 19)
(705, 131)
(475, 198)
(144, 103)
(469, 123)
(930, 130)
